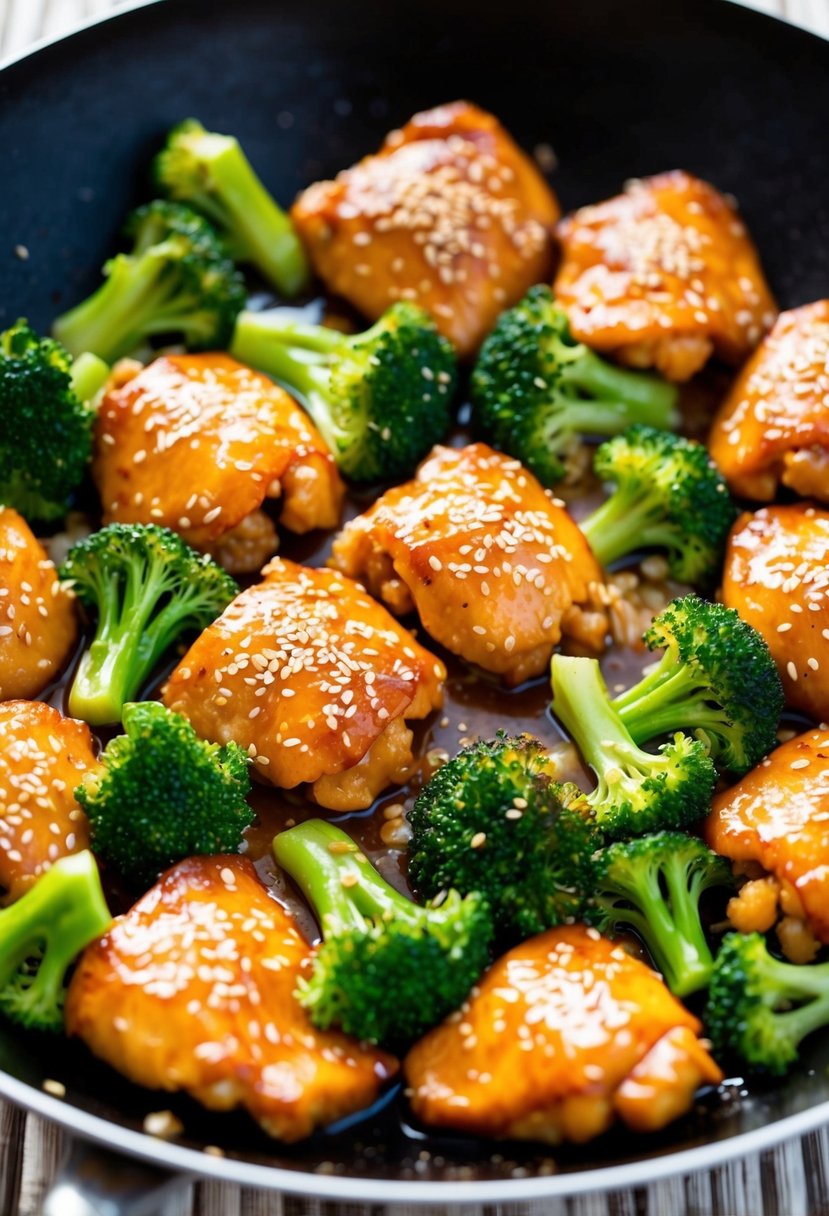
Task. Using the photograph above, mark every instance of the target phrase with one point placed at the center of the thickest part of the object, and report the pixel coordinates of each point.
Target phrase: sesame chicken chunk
(37, 616)
(197, 443)
(450, 214)
(773, 426)
(563, 1034)
(315, 680)
(663, 275)
(43, 757)
(492, 563)
(193, 989)
(776, 576)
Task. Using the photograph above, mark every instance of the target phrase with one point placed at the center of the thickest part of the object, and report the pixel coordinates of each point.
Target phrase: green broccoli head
(381, 399)
(388, 969)
(668, 496)
(40, 936)
(177, 283)
(146, 588)
(495, 820)
(759, 1008)
(161, 794)
(717, 678)
(45, 427)
(211, 173)
(636, 791)
(654, 885)
(536, 391)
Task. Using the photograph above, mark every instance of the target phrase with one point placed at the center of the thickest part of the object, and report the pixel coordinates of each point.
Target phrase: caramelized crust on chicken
(316, 680)
(193, 989)
(563, 1034)
(774, 424)
(778, 816)
(43, 757)
(196, 443)
(776, 576)
(495, 567)
(449, 214)
(37, 616)
(664, 275)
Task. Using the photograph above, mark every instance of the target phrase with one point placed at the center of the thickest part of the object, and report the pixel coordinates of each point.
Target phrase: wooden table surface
(792, 1180)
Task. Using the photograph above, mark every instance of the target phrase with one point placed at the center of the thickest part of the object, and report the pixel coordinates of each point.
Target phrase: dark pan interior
(618, 88)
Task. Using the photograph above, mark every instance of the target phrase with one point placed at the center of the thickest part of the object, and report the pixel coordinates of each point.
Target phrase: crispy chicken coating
(449, 214)
(774, 424)
(43, 757)
(778, 817)
(193, 989)
(776, 576)
(563, 1034)
(496, 568)
(664, 275)
(316, 680)
(37, 616)
(196, 443)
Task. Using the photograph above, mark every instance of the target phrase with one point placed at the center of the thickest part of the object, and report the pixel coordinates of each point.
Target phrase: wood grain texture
(792, 1180)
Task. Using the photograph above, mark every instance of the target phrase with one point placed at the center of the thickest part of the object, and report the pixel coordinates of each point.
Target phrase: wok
(618, 88)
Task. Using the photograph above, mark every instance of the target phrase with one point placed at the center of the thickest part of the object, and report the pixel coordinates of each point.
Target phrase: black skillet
(618, 88)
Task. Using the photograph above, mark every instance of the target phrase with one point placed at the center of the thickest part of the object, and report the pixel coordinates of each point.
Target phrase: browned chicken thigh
(564, 1034)
(774, 424)
(43, 757)
(193, 989)
(776, 576)
(315, 680)
(496, 568)
(664, 275)
(197, 443)
(449, 214)
(37, 616)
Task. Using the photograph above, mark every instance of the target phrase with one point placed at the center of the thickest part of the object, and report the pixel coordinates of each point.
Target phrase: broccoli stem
(799, 983)
(88, 376)
(626, 521)
(581, 702)
(667, 699)
(111, 322)
(627, 397)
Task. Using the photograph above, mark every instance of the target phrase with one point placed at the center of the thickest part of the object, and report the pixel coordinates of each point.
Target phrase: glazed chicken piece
(774, 824)
(196, 443)
(193, 989)
(43, 757)
(316, 680)
(664, 275)
(776, 576)
(564, 1034)
(496, 568)
(37, 616)
(774, 424)
(449, 214)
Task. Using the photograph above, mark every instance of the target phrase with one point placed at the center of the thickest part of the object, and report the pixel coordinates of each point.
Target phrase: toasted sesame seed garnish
(56, 1088)
(162, 1124)
(478, 840)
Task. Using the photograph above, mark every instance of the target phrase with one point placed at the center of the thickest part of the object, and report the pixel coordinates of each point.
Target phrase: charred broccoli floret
(388, 969)
(146, 587)
(381, 399)
(176, 283)
(161, 794)
(537, 391)
(717, 678)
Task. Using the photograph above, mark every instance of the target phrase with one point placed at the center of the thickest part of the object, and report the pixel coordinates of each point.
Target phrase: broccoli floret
(146, 587)
(42, 933)
(759, 1008)
(381, 399)
(536, 391)
(654, 885)
(177, 282)
(637, 791)
(212, 174)
(495, 820)
(162, 793)
(717, 678)
(388, 969)
(668, 496)
(45, 421)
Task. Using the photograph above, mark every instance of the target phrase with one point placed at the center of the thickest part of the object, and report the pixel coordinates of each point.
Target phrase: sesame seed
(478, 840)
